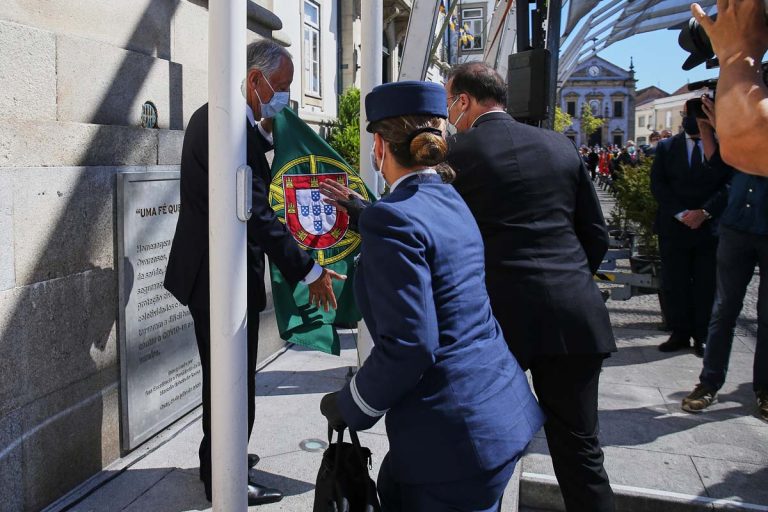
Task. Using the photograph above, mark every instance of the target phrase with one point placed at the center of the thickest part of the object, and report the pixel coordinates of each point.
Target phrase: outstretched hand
(321, 291)
(337, 194)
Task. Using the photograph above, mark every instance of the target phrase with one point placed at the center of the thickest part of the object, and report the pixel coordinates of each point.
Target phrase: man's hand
(708, 107)
(321, 291)
(739, 31)
(330, 409)
(694, 218)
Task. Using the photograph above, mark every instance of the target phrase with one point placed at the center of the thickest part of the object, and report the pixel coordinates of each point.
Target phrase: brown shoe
(699, 399)
(762, 405)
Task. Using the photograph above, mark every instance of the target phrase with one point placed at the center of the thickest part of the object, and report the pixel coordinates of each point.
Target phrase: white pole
(371, 51)
(227, 237)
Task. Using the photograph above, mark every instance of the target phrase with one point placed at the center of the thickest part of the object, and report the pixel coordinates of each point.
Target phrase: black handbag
(343, 483)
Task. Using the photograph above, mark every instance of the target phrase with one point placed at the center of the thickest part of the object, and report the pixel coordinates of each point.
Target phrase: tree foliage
(635, 207)
(589, 123)
(562, 120)
(345, 131)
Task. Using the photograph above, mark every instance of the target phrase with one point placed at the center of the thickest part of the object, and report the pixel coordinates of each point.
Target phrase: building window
(618, 109)
(594, 106)
(571, 108)
(572, 137)
(473, 22)
(641, 141)
(641, 121)
(618, 140)
(312, 48)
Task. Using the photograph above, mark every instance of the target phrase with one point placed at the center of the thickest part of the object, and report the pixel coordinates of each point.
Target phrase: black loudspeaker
(528, 85)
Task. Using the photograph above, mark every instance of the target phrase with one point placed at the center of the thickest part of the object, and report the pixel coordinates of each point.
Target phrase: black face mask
(690, 125)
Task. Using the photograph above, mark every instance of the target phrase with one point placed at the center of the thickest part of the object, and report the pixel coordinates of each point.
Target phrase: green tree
(562, 120)
(635, 207)
(345, 131)
(589, 123)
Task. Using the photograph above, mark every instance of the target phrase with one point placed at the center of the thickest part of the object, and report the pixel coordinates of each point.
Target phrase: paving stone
(732, 480)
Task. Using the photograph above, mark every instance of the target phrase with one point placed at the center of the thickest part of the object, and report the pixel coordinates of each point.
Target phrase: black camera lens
(695, 41)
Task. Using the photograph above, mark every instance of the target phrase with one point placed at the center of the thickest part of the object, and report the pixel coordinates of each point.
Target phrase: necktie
(696, 163)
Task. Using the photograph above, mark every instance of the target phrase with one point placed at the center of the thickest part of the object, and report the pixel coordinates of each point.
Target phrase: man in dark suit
(688, 180)
(270, 73)
(544, 237)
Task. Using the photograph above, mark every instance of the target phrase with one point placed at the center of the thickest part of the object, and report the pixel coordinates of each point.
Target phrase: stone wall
(74, 74)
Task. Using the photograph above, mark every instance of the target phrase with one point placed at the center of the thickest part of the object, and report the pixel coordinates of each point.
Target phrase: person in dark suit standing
(270, 73)
(459, 409)
(689, 182)
(544, 237)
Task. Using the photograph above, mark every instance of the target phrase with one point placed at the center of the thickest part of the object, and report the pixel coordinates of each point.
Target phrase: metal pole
(227, 238)
(553, 45)
(371, 48)
(523, 26)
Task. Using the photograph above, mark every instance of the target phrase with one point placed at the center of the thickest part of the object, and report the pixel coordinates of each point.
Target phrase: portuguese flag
(302, 161)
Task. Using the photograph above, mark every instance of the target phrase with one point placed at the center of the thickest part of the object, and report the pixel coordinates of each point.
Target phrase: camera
(695, 41)
(693, 107)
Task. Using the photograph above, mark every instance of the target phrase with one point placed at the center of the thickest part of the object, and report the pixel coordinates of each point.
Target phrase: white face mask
(377, 166)
(452, 128)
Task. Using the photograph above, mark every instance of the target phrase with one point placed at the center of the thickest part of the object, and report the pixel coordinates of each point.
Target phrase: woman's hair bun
(428, 149)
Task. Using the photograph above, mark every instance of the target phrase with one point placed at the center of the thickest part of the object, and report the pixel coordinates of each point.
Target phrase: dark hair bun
(428, 149)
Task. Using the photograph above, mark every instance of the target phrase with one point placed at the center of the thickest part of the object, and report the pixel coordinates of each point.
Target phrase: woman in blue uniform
(459, 409)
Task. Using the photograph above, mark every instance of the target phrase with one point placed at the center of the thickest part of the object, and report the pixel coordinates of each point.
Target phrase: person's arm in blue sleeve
(399, 281)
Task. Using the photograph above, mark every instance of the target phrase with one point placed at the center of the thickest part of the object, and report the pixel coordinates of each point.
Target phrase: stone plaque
(160, 372)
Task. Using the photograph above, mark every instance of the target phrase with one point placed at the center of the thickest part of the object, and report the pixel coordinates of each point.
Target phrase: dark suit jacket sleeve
(403, 309)
(716, 204)
(271, 235)
(669, 204)
(589, 222)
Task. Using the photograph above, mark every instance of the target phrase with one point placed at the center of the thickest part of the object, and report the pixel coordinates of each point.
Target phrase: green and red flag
(302, 161)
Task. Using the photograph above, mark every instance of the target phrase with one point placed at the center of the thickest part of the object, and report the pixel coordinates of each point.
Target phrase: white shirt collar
(399, 180)
(485, 114)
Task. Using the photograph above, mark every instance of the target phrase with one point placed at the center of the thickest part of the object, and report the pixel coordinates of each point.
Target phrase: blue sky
(658, 60)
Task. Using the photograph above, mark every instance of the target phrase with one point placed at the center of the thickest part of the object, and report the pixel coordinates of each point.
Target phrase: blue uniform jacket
(457, 402)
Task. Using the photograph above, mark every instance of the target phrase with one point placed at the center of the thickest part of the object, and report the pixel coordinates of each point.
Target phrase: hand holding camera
(738, 32)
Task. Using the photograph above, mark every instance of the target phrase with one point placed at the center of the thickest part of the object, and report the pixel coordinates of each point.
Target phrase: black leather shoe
(675, 342)
(259, 495)
(253, 459)
(698, 348)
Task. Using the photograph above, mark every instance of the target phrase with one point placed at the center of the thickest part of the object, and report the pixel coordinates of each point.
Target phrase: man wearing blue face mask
(688, 180)
(269, 77)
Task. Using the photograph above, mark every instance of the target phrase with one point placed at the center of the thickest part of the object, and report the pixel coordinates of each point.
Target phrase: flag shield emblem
(313, 223)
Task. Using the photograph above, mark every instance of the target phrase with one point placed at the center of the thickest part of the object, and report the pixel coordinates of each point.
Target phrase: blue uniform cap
(408, 98)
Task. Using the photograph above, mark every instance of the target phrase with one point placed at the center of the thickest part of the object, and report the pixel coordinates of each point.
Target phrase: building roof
(648, 94)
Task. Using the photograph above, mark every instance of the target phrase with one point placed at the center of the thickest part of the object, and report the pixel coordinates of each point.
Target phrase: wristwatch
(706, 213)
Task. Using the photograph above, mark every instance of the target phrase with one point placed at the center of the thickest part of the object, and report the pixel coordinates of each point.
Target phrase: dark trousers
(688, 269)
(202, 318)
(566, 386)
(737, 256)
(481, 493)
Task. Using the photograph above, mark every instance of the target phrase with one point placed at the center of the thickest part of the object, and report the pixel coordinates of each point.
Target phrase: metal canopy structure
(593, 25)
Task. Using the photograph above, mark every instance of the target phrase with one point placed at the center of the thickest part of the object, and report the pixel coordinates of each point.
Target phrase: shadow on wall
(58, 347)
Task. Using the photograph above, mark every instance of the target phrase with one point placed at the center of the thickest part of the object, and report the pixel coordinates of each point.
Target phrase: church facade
(610, 93)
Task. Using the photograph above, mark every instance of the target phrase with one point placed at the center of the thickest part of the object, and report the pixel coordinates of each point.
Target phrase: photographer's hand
(740, 39)
(739, 32)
